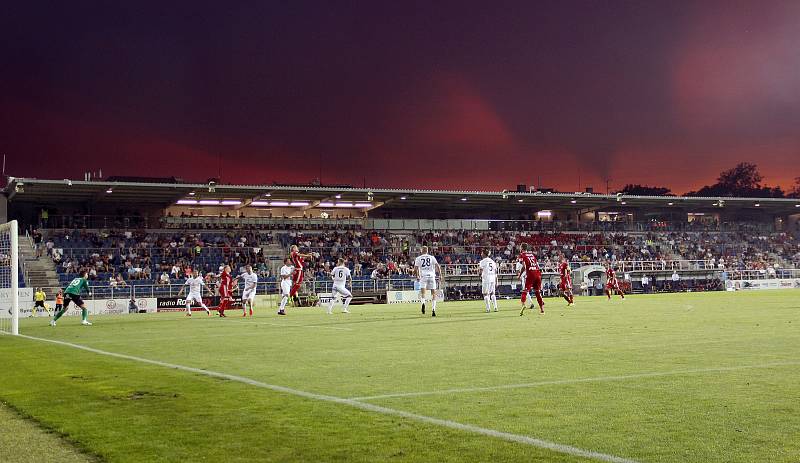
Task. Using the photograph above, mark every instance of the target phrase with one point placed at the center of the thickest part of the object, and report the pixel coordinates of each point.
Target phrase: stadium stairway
(274, 253)
(40, 273)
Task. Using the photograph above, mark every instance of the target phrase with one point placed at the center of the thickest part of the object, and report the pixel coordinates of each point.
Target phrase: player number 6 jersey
(340, 275)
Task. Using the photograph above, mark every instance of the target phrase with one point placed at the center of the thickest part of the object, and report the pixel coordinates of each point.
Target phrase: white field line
(517, 438)
(574, 381)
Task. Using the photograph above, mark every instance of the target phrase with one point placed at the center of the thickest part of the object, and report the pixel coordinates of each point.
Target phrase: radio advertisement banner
(178, 304)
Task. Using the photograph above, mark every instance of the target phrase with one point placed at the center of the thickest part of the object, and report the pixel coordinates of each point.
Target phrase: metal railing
(763, 274)
(262, 287)
(509, 268)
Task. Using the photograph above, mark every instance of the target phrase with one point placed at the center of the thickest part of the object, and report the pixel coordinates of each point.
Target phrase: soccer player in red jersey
(611, 282)
(297, 277)
(566, 281)
(533, 277)
(225, 290)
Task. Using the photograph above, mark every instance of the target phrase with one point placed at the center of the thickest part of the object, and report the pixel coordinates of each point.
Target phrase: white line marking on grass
(518, 438)
(573, 381)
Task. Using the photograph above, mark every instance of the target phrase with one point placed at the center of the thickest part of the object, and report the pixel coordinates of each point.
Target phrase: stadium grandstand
(142, 237)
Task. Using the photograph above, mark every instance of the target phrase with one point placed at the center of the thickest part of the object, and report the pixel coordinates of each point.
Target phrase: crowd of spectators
(121, 258)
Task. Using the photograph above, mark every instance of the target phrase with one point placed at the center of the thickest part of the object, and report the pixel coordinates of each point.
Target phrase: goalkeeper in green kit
(73, 294)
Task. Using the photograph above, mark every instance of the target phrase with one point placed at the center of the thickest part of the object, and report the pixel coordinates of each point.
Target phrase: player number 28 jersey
(426, 264)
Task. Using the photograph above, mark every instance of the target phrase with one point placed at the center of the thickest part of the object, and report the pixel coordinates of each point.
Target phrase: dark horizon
(444, 96)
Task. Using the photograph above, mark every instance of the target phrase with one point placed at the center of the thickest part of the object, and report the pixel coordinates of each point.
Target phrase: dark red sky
(417, 94)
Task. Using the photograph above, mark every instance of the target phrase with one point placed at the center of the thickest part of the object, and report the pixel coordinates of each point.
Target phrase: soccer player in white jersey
(196, 285)
(341, 275)
(250, 279)
(426, 269)
(488, 280)
(520, 269)
(286, 273)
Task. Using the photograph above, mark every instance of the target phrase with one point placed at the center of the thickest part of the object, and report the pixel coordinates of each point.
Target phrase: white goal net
(9, 278)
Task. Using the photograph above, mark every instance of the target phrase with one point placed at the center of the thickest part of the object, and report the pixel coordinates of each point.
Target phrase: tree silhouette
(743, 180)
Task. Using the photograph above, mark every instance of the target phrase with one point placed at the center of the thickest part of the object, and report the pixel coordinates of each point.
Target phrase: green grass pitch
(709, 377)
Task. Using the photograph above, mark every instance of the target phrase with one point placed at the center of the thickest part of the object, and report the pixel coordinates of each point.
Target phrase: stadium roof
(40, 191)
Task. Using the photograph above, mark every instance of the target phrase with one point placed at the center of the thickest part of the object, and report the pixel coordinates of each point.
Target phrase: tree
(644, 190)
(744, 180)
(795, 191)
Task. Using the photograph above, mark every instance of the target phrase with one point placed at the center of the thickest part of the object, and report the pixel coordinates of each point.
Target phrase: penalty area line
(509, 437)
(573, 381)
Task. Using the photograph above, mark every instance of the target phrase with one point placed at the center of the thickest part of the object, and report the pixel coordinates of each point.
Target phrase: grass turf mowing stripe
(517, 438)
(574, 381)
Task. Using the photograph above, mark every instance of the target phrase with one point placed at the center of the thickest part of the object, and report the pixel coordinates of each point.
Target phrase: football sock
(284, 300)
(347, 302)
(494, 301)
(84, 314)
(488, 300)
(60, 313)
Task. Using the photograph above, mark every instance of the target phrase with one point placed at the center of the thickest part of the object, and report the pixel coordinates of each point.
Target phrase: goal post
(9, 277)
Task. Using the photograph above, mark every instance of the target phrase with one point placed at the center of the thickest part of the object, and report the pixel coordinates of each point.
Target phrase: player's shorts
(286, 286)
(39, 304)
(427, 282)
(488, 287)
(297, 277)
(533, 281)
(74, 298)
(342, 290)
(565, 285)
(194, 298)
(612, 284)
(249, 294)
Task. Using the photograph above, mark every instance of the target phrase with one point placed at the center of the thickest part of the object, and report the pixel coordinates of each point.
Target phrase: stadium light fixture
(757, 204)
(544, 214)
(208, 202)
(325, 205)
(573, 201)
(279, 203)
(463, 199)
(403, 198)
(299, 203)
(109, 191)
(343, 205)
(191, 193)
(624, 203)
(231, 202)
(670, 204)
(363, 205)
(339, 196)
(519, 200)
(797, 205)
(259, 203)
(268, 195)
(187, 201)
